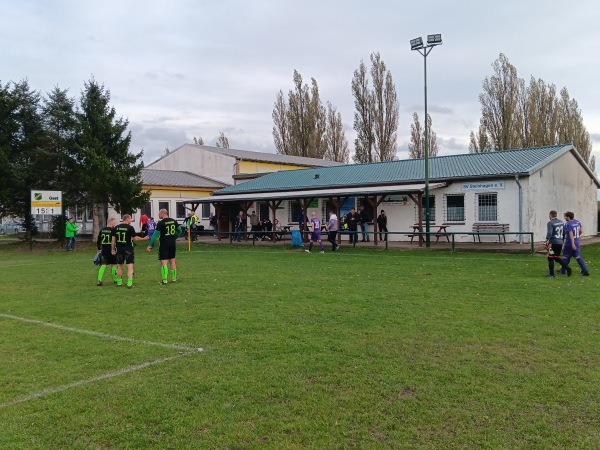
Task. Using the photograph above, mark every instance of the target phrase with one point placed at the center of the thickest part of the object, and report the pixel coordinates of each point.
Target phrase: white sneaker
(321, 251)
(307, 251)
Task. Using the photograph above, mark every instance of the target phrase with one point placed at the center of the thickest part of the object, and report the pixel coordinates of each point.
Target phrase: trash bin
(297, 239)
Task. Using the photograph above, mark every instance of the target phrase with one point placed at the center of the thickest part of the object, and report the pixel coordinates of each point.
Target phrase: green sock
(174, 274)
(164, 271)
(114, 273)
(101, 272)
(129, 281)
(119, 281)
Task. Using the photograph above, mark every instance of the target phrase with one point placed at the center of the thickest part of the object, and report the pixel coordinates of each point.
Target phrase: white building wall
(563, 185)
(201, 162)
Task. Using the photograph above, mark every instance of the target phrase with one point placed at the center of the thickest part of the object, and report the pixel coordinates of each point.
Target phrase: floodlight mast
(417, 44)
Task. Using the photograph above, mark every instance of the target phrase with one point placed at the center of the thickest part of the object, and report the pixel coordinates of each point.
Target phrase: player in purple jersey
(571, 247)
(315, 225)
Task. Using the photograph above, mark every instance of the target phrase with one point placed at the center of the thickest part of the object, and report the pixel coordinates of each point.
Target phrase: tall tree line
(514, 115)
(50, 143)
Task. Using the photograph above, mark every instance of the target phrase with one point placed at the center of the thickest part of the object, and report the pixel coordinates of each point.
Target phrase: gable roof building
(516, 188)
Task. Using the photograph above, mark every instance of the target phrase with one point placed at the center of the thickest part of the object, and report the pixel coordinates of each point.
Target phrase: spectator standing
(382, 225)
(239, 223)
(192, 225)
(332, 228)
(301, 221)
(70, 233)
(571, 247)
(167, 232)
(365, 218)
(254, 225)
(212, 223)
(352, 219)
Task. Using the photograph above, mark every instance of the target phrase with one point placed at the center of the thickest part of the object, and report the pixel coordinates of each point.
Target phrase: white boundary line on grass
(104, 376)
(184, 351)
(100, 335)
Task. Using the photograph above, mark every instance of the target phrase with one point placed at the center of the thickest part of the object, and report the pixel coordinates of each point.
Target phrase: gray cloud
(176, 72)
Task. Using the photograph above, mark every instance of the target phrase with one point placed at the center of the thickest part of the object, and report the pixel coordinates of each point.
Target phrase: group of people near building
(116, 243)
(362, 217)
(563, 237)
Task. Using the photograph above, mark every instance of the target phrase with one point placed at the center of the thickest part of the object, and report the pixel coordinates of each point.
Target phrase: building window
(263, 210)
(487, 207)
(294, 211)
(180, 210)
(431, 208)
(455, 208)
(205, 210)
(147, 209)
(164, 205)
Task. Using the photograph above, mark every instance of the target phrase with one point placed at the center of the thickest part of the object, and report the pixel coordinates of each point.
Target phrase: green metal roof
(441, 168)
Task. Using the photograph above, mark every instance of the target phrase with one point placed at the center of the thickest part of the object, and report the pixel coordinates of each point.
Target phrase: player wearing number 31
(167, 232)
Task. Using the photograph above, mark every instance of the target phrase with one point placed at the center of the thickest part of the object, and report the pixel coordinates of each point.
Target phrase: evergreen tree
(21, 138)
(109, 172)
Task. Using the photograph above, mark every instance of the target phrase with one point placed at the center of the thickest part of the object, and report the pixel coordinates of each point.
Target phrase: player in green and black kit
(104, 244)
(122, 246)
(167, 232)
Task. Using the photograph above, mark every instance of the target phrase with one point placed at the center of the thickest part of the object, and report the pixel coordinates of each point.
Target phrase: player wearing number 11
(122, 247)
(167, 232)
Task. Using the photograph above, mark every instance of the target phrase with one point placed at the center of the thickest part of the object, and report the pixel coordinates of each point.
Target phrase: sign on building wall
(483, 186)
(397, 199)
(46, 202)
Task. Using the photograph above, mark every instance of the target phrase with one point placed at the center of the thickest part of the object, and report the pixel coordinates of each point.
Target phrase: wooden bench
(490, 228)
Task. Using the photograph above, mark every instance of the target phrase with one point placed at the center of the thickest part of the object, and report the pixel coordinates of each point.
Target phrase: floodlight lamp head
(416, 44)
(434, 39)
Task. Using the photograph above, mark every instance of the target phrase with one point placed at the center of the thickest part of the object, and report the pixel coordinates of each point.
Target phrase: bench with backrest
(490, 228)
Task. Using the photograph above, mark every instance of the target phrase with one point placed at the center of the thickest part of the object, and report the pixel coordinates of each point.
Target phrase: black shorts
(166, 251)
(125, 255)
(108, 258)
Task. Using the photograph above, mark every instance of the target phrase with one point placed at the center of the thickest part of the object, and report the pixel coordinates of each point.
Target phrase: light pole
(417, 44)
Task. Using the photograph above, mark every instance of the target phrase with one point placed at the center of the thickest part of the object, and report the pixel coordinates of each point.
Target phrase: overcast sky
(188, 68)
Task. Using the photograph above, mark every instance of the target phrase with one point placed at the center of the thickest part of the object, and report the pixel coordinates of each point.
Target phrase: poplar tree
(376, 114)
(337, 145)
(514, 116)
(299, 125)
(416, 147)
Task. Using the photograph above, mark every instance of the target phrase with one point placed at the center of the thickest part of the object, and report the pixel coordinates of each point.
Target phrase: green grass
(358, 349)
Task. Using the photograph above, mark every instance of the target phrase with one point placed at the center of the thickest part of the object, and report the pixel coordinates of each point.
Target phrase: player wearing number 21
(122, 246)
(167, 232)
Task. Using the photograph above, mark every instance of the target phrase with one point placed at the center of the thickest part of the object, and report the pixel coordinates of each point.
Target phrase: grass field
(358, 349)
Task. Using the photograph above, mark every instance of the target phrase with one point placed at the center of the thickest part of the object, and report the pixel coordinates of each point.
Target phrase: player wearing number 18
(122, 246)
(167, 232)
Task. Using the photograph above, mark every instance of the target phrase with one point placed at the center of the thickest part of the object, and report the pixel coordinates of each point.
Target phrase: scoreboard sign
(46, 202)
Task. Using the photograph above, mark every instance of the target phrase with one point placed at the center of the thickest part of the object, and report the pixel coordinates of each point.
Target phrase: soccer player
(122, 247)
(554, 243)
(167, 232)
(315, 225)
(104, 244)
(571, 248)
(332, 227)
